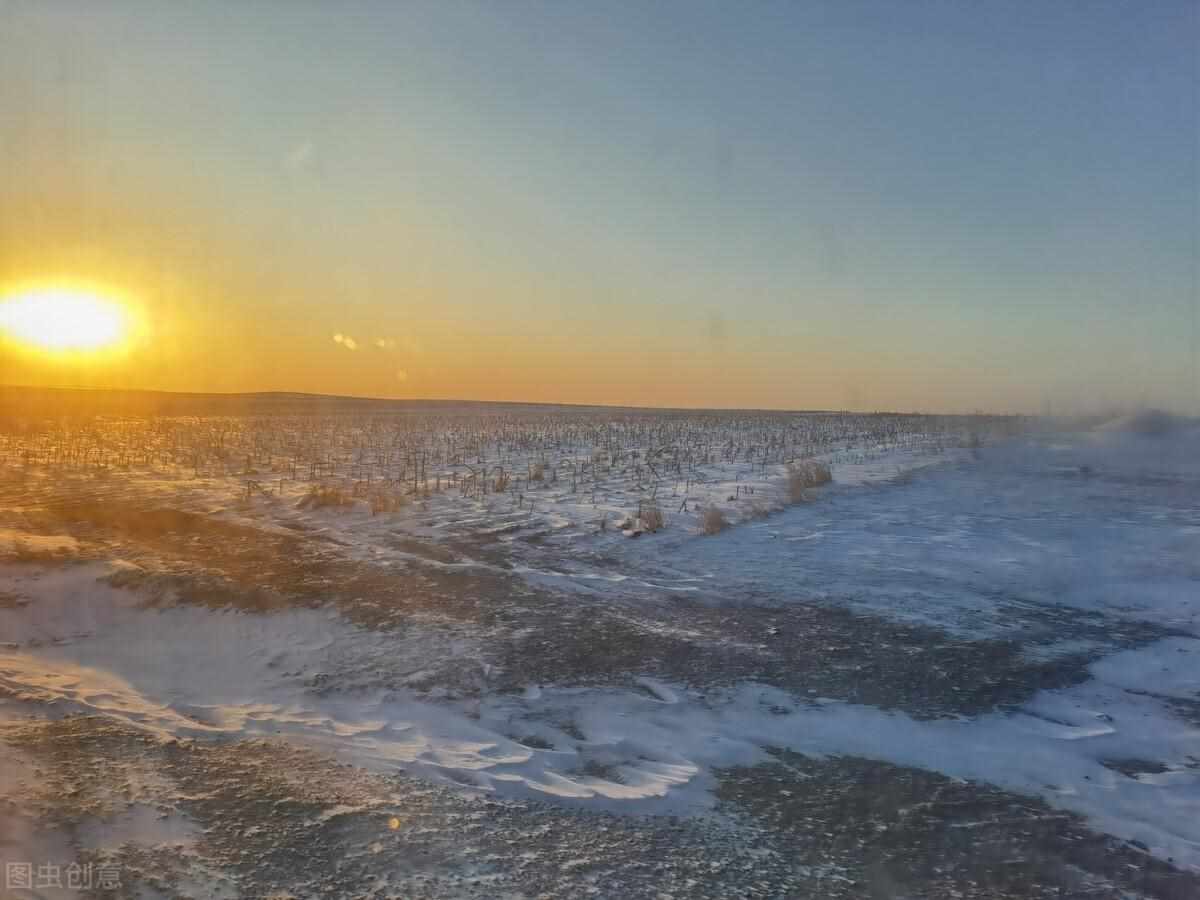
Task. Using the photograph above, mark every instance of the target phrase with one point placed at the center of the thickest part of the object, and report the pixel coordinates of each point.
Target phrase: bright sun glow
(63, 320)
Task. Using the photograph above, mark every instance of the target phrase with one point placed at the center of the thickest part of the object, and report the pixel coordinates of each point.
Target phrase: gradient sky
(927, 205)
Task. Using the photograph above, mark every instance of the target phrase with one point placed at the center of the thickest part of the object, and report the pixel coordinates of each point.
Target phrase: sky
(936, 206)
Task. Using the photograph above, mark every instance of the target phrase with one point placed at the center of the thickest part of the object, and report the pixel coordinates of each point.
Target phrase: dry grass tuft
(386, 502)
(9, 600)
(36, 551)
(324, 497)
(805, 474)
(760, 509)
(652, 517)
(713, 521)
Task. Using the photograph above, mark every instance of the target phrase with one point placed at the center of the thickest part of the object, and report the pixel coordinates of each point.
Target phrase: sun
(63, 320)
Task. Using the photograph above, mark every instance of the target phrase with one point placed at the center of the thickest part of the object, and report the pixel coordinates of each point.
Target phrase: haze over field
(930, 206)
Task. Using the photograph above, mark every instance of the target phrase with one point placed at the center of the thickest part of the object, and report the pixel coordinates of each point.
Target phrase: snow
(1103, 522)
(1106, 522)
(13, 541)
(1172, 670)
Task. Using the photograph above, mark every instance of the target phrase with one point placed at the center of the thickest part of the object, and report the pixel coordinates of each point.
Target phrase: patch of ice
(1172, 670)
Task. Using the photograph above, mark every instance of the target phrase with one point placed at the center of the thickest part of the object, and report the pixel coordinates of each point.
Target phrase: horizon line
(465, 401)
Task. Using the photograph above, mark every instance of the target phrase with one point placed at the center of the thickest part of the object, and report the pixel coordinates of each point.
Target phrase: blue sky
(877, 205)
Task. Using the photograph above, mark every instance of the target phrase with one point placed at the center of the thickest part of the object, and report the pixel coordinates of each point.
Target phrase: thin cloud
(299, 158)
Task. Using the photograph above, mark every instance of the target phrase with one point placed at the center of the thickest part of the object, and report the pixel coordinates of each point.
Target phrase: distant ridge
(45, 402)
(26, 401)
(18, 400)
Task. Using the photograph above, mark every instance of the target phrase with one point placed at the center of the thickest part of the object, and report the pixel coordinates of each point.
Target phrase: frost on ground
(949, 673)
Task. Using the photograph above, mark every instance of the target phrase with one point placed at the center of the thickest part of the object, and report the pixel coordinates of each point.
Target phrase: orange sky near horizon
(215, 322)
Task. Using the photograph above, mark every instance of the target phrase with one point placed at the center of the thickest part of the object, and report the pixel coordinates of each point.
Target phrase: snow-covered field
(969, 666)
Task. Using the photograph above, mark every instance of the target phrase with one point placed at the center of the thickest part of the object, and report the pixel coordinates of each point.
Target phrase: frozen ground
(954, 672)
